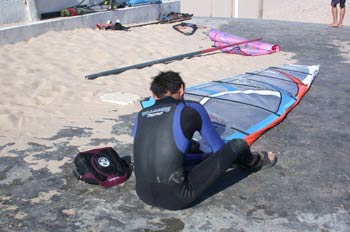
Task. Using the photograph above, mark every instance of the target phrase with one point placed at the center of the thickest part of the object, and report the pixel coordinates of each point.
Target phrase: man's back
(155, 151)
(158, 161)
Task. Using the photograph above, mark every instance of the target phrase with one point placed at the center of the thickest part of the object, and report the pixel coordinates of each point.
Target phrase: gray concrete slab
(130, 15)
(308, 190)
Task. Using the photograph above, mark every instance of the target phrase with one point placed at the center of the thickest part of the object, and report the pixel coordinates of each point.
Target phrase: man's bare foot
(271, 155)
(333, 25)
(340, 25)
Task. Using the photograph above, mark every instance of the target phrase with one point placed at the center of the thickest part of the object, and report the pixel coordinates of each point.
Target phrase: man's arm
(135, 127)
(205, 126)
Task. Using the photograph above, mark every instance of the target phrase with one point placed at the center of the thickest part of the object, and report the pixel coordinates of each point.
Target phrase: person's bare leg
(335, 17)
(341, 17)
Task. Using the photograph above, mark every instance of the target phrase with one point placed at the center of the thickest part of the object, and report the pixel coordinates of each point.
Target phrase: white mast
(236, 8)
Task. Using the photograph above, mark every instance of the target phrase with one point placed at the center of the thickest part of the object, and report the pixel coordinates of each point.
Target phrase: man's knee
(238, 144)
(231, 151)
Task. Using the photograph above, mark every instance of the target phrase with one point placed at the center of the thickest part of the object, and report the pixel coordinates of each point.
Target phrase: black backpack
(101, 166)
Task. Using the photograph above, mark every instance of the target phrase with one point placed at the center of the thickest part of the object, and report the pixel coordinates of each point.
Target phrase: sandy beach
(49, 112)
(317, 11)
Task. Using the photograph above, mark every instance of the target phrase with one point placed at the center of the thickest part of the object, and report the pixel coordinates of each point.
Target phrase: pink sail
(249, 49)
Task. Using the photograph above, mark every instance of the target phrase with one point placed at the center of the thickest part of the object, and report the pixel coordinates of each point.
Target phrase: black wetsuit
(162, 140)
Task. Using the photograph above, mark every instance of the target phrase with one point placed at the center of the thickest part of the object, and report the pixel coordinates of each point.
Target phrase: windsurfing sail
(247, 105)
(256, 48)
(141, 2)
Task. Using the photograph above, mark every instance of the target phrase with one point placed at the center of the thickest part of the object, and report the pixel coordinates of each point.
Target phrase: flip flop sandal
(262, 162)
(265, 162)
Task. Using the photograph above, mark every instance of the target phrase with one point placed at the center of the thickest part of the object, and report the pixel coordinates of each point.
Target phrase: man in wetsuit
(334, 4)
(163, 143)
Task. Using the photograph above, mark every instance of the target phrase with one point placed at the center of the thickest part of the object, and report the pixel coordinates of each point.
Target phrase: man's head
(167, 84)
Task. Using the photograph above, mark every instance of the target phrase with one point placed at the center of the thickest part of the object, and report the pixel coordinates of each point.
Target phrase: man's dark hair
(166, 81)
